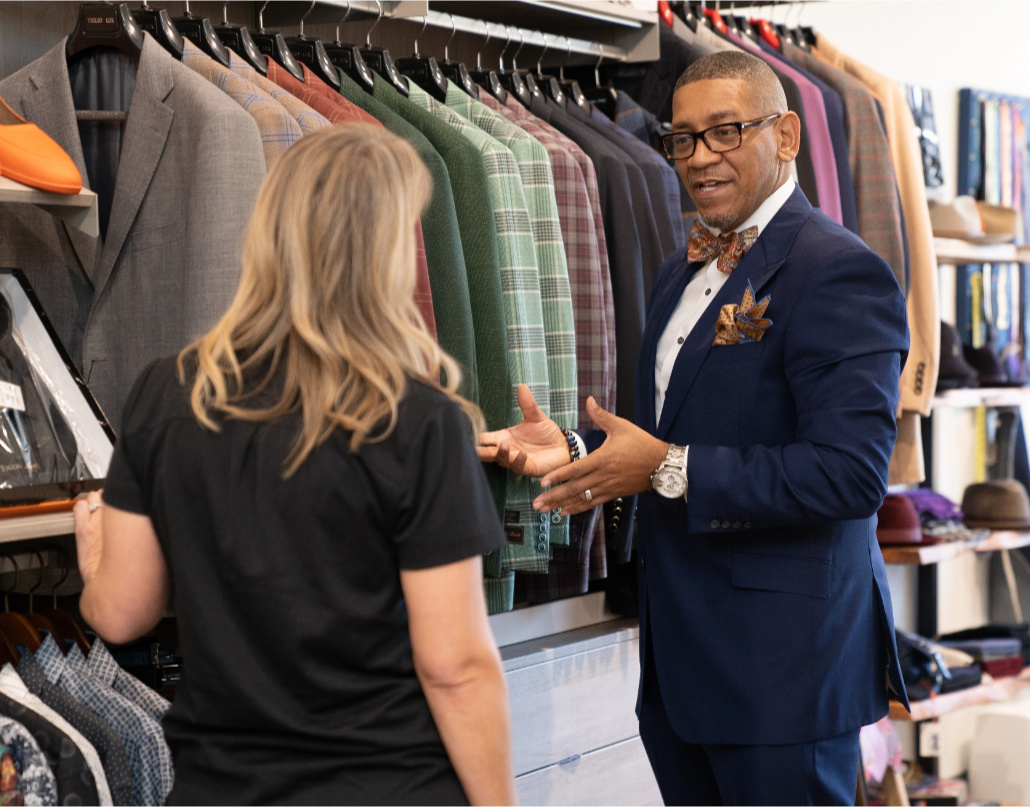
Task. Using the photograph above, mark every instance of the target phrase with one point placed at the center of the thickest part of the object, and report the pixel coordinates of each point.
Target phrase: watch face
(670, 483)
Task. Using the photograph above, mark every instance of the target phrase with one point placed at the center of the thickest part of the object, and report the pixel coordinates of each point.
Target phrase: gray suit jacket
(190, 166)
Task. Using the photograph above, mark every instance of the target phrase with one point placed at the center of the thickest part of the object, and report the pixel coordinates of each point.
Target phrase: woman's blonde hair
(326, 297)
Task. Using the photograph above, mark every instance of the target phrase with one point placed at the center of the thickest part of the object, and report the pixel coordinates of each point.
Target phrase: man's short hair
(731, 64)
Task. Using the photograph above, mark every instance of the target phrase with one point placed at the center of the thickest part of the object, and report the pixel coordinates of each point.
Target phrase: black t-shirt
(298, 682)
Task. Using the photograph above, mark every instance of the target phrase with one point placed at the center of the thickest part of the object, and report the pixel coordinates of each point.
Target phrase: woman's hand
(89, 539)
(533, 448)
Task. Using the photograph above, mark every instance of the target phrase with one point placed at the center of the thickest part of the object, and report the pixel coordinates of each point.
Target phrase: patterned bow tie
(703, 245)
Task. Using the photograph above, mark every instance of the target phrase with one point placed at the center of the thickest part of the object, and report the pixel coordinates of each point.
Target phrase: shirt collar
(769, 208)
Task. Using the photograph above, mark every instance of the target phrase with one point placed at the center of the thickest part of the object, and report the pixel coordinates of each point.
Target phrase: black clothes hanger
(488, 79)
(199, 31)
(379, 59)
(603, 97)
(513, 81)
(424, 71)
(548, 84)
(348, 58)
(238, 39)
(456, 71)
(104, 25)
(157, 23)
(273, 45)
(571, 88)
(312, 53)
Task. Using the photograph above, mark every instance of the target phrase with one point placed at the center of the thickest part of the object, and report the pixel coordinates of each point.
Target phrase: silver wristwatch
(670, 478)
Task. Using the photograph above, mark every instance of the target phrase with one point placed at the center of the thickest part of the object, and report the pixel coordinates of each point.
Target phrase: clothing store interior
(915, 137)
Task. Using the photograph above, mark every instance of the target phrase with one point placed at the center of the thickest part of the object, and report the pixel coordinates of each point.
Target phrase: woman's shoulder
(157, 394)
(425, 409)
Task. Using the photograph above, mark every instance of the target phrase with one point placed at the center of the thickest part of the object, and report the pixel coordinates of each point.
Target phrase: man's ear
(788, 136)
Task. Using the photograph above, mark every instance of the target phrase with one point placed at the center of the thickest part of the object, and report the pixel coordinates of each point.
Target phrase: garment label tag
(931, 740)
(11, 397)
(516, 535)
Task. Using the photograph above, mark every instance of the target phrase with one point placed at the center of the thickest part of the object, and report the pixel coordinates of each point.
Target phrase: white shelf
(984, 396)
(622, 31)
(79, 210)
(957, 251)
(48, 525)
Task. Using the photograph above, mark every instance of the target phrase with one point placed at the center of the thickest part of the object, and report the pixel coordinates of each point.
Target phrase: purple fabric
(927, 501)
(818, 131)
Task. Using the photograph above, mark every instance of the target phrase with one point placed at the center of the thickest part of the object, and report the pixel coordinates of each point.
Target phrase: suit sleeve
(845, 345)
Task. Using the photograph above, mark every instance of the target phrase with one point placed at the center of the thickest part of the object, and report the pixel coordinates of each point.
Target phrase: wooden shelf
(997, 691)
(981, 396)
(936, 553)
(79, 210)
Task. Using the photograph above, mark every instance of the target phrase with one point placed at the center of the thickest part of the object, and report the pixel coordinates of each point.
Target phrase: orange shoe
(30, 156)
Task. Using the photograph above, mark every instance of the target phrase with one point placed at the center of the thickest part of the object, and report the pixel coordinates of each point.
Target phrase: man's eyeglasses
(720, 138)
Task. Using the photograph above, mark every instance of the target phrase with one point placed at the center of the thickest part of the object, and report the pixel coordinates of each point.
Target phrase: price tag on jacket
(11, 397)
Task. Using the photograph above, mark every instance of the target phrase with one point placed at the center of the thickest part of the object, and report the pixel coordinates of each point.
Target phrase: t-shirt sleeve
(123, 487)
(448, 513)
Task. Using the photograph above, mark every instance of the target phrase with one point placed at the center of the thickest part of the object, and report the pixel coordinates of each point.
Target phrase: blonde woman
(307, 493)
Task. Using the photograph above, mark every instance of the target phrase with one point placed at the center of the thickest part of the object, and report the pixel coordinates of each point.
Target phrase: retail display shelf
(936, 553)
(984, 396)
(997, 691)
(46, 525)
(79, 210)
(957, 251)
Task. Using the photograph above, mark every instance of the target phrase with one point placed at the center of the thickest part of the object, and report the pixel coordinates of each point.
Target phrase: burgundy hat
(897, 522)
(998, 504)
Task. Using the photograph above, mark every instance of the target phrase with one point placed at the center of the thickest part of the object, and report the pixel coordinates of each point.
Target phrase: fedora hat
(897, 521)
(999, 504)
(961, 218)
(989, 372)
(954, 371)
(1000, 222)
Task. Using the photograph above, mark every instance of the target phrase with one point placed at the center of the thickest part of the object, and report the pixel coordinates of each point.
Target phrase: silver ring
(588, 495)
(94, 506)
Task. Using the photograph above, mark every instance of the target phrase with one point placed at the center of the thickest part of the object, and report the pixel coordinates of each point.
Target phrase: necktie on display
(703, 245)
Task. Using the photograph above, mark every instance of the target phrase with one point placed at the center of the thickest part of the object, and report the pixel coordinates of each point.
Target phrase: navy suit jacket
(764, 595)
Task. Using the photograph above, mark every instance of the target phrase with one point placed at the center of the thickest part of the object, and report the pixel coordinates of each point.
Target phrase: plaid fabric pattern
(872, 170)
(555, 294)
(308, 119)
(102, 666)
(35, 779)
(108, 744)
(277, 127)
(338, 109)
(80, 777)
(149, 756)
(445, 258)
(644, 153)
(523, 320)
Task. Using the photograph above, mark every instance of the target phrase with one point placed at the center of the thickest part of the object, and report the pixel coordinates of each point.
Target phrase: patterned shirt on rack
(109, 746)
(35, 779)
(278, 128)
(10, 792)
(555, 294)
(524, 322)
(307, 118)
(105, 669)
(149, 756)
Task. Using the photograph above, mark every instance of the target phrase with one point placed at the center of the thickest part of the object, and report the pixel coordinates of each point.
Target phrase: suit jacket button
(737, 525)
(725, 525)
(715, 524)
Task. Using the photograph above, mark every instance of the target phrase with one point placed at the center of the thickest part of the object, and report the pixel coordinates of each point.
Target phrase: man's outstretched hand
(533, 448)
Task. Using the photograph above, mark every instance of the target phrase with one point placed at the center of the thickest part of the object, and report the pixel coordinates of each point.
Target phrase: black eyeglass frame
(702, 136)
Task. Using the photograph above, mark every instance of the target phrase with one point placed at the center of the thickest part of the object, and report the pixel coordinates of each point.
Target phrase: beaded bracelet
(570, 438)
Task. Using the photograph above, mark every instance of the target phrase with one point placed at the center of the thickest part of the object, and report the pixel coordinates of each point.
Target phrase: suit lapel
(51, 108)
(146, 132)
(757, 267)
(666, 300)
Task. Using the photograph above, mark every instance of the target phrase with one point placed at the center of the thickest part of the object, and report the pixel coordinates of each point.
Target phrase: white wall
(944, 45)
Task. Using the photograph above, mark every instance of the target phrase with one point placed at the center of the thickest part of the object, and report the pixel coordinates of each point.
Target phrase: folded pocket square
(742, 323)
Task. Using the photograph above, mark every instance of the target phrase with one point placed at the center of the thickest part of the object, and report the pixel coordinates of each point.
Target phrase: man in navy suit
(766, 394)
